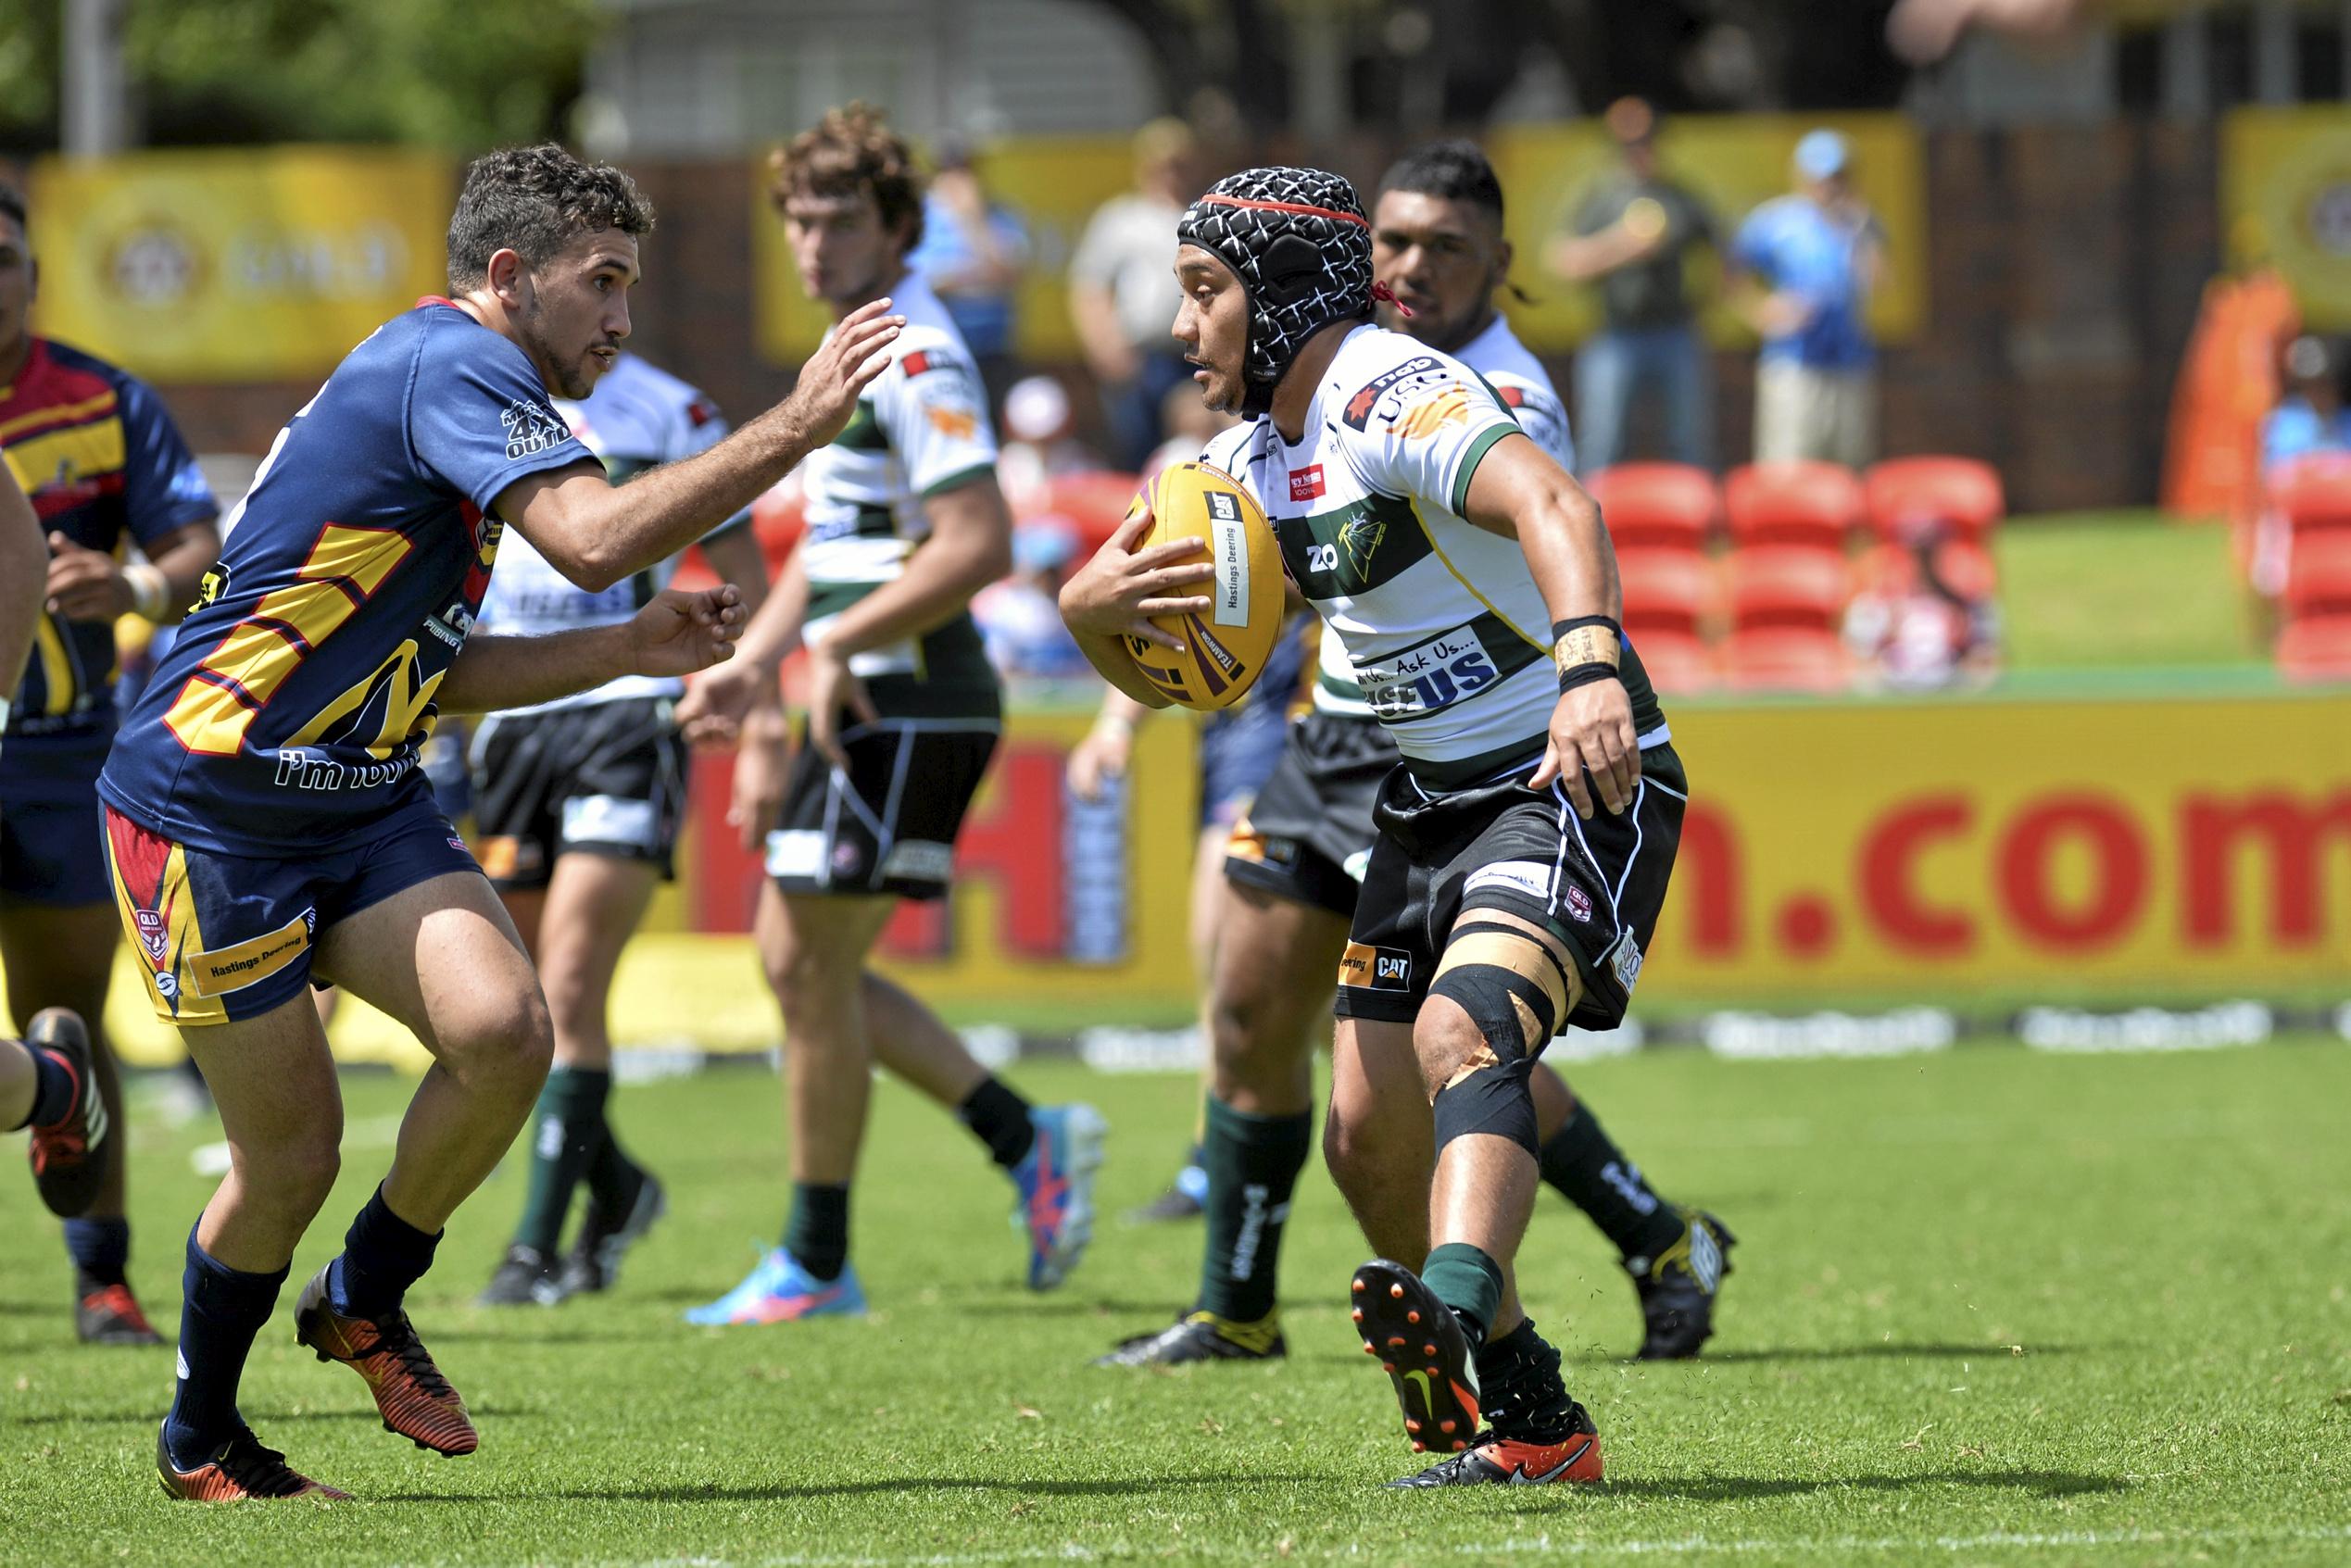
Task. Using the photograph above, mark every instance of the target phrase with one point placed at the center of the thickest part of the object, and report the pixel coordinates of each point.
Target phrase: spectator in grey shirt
(1630, 237)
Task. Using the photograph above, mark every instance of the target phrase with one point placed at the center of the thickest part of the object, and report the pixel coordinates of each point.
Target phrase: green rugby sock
(1252, 1164)
(817, 1234)
(1468, 1281)
(565, 1132)
(1592, 1173)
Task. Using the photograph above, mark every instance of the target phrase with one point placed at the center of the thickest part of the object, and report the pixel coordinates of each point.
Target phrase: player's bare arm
(1519, 493)
(85, 585)
(1113, 596)
(676, 633)
(970, 545)
(597, 533)
(22, 559)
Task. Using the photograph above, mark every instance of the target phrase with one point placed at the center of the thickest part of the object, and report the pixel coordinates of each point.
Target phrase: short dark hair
(850, 150)
(12, 203)
(1452, 170)
(533, 201)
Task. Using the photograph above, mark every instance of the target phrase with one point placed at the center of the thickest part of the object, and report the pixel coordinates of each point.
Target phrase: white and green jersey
(1442, 634)
(1519, 379)
(921, 429)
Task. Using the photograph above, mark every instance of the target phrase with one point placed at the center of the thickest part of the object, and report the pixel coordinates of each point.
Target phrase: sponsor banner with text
(246, 265)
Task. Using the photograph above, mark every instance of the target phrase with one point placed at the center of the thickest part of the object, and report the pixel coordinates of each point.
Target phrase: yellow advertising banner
(1942, 850)
(1052, 183)
(247, 265)
(1732, 163)
(1964, 853)
(2285, 191)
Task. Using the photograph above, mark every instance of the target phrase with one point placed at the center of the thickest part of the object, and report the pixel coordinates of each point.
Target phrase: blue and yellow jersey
(106, 467)
(289, 713)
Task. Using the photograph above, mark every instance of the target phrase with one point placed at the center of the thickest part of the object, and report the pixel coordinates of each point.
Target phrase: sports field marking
(1686, 1546)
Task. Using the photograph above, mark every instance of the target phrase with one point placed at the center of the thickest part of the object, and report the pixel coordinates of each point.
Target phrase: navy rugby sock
(221, 1310)
(1000, 1119)
(817, 1234)
(52, 1088)
(1594, 1175)
(565, 1132)
(100, 1251)
(1252, 1164)
(382, 1254)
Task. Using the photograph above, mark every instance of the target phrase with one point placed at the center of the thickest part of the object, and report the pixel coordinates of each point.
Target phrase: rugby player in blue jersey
(105, 470)
(266, 818)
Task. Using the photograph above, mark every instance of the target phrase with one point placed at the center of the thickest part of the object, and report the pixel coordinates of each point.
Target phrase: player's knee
(298, 1173)
(504, 1041)
(1508, 991)
(1252, 1048)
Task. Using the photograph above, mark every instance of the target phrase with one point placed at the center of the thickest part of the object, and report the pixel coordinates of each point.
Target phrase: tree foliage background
(456, 73)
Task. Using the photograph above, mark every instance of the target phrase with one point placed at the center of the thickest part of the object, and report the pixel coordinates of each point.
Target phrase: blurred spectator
(1187, 423)
(1020, 617)
(1632, 235)
(2310, 417)
(1122, 289)
(972, 254)
(1923, 32)
(1803, 265)
(1039, 440)
(1926, 623)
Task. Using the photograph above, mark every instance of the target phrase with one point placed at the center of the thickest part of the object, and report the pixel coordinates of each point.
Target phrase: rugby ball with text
(1225, 646)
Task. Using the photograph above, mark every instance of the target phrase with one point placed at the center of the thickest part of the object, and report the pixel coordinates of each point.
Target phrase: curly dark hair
(850, 150)
(534, 201)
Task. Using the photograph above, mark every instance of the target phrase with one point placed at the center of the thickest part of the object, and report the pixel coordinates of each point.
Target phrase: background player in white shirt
(905, 523)
(1526, 836)
(1290, 868)
(577, 805)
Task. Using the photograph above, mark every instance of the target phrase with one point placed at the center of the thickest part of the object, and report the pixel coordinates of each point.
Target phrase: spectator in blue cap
(1802, 268)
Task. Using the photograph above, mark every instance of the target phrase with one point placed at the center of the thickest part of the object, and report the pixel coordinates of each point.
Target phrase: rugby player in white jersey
(1524, 838)
(905, 523)
(1291, 869)
(577, 804)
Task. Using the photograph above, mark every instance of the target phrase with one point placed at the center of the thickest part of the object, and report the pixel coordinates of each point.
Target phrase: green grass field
(1990, 1306)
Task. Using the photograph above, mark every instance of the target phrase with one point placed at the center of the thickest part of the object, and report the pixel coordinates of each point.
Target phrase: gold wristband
(1587, 645)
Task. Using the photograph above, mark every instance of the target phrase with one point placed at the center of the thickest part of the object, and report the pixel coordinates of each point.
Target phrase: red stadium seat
(1656, 505)
(1786, 658)
(2315, 650)
(1096, 502)
(1889, 570)
(776, 518)
(1678, 662)
(1961, 492)
(1816, 504)
(2318, 578)
(1664, 590)
(2314, 492)
(1788, 585)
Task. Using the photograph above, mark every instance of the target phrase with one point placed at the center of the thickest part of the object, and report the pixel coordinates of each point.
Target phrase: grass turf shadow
(1879, 1351)
(720, 1492)
(1744, 1488)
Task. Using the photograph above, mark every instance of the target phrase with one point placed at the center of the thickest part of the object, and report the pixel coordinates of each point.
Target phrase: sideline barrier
(2104, 852)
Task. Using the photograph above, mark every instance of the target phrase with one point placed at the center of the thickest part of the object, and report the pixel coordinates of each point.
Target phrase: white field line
(1683, 1546)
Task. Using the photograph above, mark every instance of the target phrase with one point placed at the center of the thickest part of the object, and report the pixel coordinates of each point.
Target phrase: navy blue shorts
(1238, 750)
(229, 937)
(49, 831)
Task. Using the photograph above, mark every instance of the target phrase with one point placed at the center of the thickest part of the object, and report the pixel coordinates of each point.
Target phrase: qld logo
(155, 935)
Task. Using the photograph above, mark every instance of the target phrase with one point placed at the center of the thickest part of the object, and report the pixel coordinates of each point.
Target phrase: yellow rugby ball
(1225, 646)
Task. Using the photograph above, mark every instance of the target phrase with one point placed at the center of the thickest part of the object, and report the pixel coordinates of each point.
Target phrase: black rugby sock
(53, 1088)
(1520, 1389)
(566, 1131)
(1594, 1175)
(100, 1251)
(221, 1311)
(1252, 1164)
(817, 1234)
(1000, 1119)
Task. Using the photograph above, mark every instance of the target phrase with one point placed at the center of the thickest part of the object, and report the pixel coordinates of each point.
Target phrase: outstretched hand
(839, 372)
(678, 633)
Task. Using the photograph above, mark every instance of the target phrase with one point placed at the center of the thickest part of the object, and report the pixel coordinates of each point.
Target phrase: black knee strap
(1494, 1098)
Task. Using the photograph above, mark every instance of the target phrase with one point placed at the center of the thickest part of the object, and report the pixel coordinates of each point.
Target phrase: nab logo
(1306, 484)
